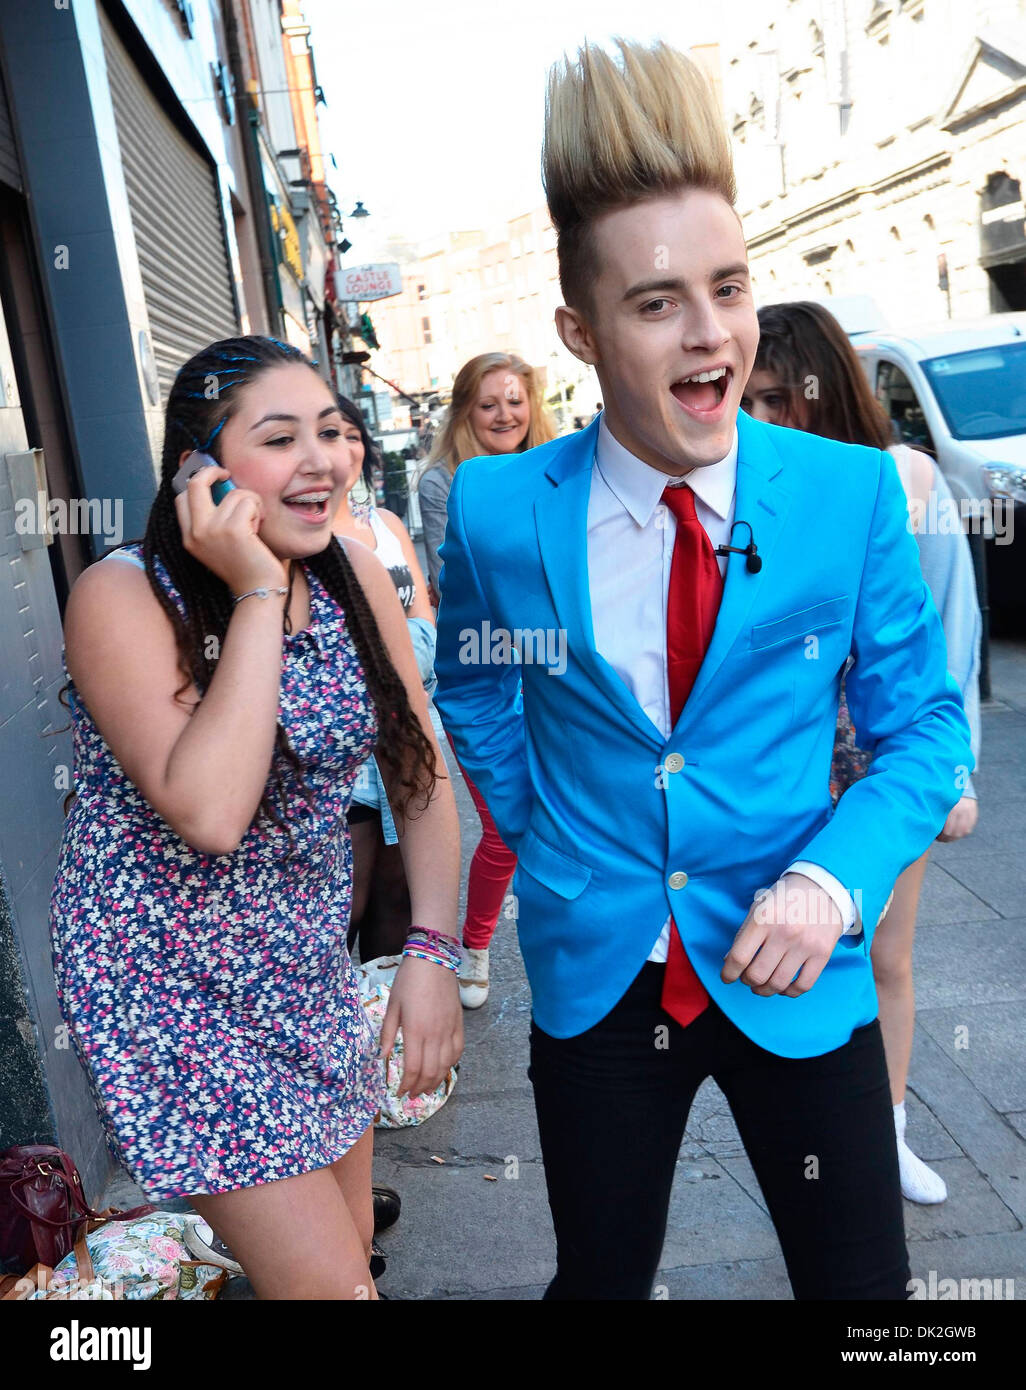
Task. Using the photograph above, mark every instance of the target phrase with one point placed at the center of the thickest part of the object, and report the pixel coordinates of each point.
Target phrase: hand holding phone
(192, 465)
(226, 541)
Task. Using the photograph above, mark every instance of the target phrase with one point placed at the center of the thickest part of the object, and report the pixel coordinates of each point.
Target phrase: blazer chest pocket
(551, 867)
(804, 623)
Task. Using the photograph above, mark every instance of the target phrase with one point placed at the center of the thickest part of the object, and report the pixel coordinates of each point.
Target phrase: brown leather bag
(43, 1210)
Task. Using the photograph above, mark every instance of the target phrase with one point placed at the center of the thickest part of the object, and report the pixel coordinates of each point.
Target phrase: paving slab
(963, 963)
(980, 1130)
(1000, 1258)
(469, 1128)
(999, 880)
(944, 899)
(925, 1133)
(714, 1218)
(972, 1208)
(998, 831)
(989, 1051)
(460, 1233)
(737, 1281)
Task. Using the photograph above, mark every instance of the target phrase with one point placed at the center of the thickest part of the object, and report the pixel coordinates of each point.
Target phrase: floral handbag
(375, 981)
(144, 1260)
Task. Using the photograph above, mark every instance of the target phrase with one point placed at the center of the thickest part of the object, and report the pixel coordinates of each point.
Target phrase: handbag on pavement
(43, 1210)
(146, 1259)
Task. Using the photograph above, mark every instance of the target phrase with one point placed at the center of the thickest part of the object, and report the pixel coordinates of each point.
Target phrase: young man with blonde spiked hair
(689, 904)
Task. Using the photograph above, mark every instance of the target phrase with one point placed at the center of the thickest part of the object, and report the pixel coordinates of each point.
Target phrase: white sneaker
(203, 1244)
(919, 1183)
(473, 978)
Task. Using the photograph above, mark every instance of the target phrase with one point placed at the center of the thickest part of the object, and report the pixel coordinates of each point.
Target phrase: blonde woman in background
(497, 408)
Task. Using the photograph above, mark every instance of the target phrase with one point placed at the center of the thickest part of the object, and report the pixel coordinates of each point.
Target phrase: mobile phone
(192, 465)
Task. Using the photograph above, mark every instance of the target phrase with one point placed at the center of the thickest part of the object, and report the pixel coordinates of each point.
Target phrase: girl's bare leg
(892, 970)
(297, 1238)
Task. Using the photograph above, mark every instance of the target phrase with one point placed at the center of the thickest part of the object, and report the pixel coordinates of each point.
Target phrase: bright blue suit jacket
(577, 783)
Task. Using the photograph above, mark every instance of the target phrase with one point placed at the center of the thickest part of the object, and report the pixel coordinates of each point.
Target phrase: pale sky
(435, 111)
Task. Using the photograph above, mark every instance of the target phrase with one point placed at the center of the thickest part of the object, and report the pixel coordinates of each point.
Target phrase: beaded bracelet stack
(424, 944)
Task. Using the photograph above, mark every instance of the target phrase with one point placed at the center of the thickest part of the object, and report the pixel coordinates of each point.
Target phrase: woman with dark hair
(381, 899)
(227, 678)
(808, 377)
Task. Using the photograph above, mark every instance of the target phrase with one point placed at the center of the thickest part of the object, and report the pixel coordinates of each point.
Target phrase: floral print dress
(850, 763)
(211, 999)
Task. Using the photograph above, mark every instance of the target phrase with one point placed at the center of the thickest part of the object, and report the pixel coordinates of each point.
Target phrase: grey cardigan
(433, 492)
(947, 565)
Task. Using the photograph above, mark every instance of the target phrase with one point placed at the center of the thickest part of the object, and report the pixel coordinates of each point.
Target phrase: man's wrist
(834, 889)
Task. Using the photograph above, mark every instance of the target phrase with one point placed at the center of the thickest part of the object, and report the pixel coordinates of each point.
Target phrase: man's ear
(576, 335)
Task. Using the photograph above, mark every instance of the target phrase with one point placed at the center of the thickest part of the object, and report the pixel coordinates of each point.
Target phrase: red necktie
(691, 607)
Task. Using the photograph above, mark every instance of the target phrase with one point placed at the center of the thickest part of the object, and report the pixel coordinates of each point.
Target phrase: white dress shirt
(630, 548)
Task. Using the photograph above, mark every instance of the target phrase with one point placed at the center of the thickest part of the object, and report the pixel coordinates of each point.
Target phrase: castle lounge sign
(362, 283)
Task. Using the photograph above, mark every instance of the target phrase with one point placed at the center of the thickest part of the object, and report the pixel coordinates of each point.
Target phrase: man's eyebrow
(678, 286)
(293, 419)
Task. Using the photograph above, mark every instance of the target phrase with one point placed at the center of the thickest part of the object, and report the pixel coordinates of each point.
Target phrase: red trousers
(491, 869)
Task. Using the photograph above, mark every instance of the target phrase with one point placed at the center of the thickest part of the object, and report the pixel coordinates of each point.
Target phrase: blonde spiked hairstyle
(617, 133)
(456, 439)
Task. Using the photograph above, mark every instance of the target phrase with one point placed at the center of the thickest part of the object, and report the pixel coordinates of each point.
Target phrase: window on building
(896, 394)
(514, 246)
(425, 325)
(422, 291)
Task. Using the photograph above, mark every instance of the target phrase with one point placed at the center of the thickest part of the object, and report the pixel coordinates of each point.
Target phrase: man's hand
(790, 928)
(961, 820)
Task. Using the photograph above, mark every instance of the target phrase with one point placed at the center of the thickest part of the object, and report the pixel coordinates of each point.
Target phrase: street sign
(361, 283)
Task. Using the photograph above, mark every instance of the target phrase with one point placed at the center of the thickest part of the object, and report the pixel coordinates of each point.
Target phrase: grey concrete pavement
(462, 1236)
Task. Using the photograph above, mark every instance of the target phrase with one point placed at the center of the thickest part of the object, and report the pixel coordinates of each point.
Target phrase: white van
(958, 391)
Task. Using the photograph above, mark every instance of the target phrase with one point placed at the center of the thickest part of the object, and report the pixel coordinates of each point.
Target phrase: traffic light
(367, 331)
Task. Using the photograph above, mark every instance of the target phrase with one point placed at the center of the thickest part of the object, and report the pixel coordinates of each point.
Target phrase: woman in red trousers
(497, 408)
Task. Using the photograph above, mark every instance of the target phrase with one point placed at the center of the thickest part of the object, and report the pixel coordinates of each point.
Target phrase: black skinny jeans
(612, 1107)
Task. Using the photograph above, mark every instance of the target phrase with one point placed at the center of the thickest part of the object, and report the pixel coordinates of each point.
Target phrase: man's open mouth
(703, 392)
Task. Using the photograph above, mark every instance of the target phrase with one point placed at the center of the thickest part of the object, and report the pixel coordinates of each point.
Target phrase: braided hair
(201, 401)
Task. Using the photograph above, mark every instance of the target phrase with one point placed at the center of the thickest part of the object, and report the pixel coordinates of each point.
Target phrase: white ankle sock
(919, 1183)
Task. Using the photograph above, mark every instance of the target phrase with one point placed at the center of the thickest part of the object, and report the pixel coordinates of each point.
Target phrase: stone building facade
(880, 148)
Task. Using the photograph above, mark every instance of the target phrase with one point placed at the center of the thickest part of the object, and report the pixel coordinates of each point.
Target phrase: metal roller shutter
(10, 167)
(176, 217)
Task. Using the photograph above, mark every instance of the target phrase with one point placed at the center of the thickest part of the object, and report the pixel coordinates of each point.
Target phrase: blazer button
(679, 879)
(673, 762)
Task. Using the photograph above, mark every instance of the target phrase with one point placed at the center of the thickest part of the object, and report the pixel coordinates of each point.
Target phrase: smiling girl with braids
(225, 686)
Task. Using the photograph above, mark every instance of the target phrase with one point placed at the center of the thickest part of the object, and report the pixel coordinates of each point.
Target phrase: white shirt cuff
(836, 889)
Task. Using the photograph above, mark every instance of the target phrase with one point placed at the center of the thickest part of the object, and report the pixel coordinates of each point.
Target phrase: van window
(895, 393)
(982, 393)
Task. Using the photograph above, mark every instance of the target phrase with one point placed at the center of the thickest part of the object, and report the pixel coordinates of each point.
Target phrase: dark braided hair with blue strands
(201, 401)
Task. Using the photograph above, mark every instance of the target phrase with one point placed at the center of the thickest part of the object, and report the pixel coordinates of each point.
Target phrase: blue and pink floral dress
(211, 999)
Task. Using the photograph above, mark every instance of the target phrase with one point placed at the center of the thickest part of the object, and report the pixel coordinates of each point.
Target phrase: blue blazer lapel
(762, 500)
(561, 519)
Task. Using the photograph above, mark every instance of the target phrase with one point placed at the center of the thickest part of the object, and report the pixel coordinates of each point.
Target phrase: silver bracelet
(260, 593)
